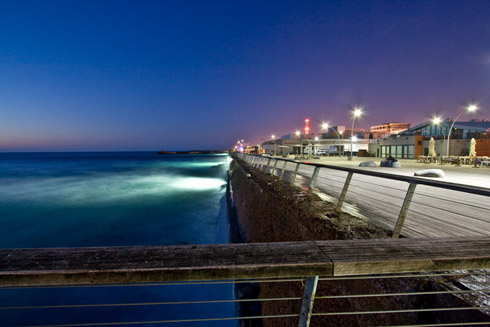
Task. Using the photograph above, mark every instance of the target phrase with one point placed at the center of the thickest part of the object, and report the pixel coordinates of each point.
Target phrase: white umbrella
(473, 148)
(432, 148)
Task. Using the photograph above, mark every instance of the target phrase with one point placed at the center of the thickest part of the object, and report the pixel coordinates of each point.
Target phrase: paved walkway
(434, 212)
(467, 175)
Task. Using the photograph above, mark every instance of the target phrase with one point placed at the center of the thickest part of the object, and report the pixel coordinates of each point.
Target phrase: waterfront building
(413, 142)
(387, 129)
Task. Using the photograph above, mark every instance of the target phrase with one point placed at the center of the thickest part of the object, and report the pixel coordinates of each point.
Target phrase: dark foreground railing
(279, 263)
(439, 209)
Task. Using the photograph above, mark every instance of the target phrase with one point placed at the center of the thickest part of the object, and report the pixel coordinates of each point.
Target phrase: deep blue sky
(147, 75)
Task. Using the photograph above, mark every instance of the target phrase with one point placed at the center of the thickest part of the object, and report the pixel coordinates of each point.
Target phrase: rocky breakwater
(270, 210)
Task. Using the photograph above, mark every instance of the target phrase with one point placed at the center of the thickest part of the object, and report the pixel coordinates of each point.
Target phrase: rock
(367, 164)
(430, 173)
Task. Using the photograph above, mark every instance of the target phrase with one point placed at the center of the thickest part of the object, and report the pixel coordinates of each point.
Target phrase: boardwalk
(434, 212)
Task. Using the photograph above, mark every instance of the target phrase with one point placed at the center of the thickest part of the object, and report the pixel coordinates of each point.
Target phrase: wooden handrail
(60, 266)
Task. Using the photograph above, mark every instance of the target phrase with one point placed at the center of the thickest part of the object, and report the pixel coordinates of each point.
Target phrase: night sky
(177, 75)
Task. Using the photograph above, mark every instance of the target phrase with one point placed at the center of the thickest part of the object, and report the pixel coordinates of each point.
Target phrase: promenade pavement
(465, 174)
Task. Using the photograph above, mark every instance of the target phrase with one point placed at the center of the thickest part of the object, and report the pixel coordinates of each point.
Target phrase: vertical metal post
(252, 161)
(344, 192)
(308, 301)
(273, 172)
(293, 177)
(403, 211)
(268, 163)
(313, 179)
(283, 169)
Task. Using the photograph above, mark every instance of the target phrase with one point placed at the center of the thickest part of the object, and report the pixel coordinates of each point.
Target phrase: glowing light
(354, 138)
(341, 132)
(472, 108)
(298, 133)
(436, 120)
(242, 141)
(307, 128)
(316, 138)
(273, 136)
(357, 112)
(325, 126)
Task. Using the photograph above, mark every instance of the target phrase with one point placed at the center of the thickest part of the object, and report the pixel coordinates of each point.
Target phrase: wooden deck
(438, 208)
(28, 267)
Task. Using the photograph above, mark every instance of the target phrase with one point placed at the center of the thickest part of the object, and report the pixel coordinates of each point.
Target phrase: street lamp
(437, 121)
(274, 142)
(356, 113)
(470, 108)
(298, 133)
(326, 127)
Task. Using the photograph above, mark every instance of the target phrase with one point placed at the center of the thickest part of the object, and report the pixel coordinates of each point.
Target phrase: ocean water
(112, 199)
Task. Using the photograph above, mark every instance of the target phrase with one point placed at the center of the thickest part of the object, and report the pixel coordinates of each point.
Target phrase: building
(313, 143)
(414, 141)
(389, 128)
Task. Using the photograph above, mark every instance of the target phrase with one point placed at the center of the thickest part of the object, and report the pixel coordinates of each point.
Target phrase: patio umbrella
(432, 148)
(473, 148)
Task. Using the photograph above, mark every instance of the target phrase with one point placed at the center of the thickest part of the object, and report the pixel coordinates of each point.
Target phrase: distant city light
(472, 108)
(325, 126)
(273, 136)
(316, 138)
(298, 133)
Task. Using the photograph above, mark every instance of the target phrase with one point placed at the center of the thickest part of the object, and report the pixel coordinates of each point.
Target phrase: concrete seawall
(270, 210)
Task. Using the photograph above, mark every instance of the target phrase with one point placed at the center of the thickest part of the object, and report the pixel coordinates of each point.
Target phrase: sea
(113, 199)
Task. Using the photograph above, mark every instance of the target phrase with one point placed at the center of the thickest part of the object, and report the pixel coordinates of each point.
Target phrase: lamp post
(437, 121)
(298, 133)
(470, 108)
(326, 127)
(356, 113)
(274, 141)
(316, 145)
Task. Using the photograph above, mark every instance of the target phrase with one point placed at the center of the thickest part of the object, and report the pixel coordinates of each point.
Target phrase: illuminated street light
(298, 133)
(470, 108)
(274, 140)
(438, 121)
(356, 113)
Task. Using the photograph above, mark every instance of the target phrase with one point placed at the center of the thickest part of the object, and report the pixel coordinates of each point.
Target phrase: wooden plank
(230, 261)
(165, 263)
(361, 257)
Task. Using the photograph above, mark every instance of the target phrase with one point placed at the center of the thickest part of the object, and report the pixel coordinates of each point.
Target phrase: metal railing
(423, 208)
(351, 283)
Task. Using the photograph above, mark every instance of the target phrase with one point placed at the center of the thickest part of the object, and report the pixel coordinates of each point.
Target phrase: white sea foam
(97, 189)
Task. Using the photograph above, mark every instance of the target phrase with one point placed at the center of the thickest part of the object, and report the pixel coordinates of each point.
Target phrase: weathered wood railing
(309, 260)
(230, 261)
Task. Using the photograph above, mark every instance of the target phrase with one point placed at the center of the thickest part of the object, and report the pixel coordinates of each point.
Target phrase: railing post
(344, 192)
(274, 167)
(283, 169)
(268, 163)
(308, 301)
(313, 179)
(403, 211)
(294, 174)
